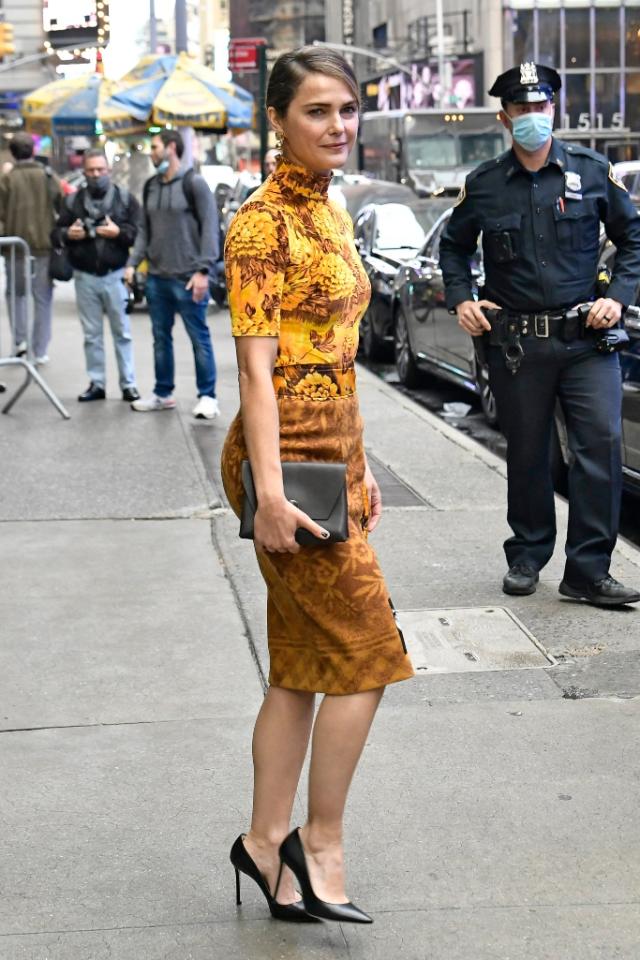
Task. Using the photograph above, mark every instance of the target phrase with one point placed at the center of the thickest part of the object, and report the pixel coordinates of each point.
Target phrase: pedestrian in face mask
(539, 208)
(179, 237)
(98, 225)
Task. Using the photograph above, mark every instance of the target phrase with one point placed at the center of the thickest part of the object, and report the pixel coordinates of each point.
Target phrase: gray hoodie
(170, 237)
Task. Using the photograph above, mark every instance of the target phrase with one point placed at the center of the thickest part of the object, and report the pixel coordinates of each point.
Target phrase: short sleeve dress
(293, 272)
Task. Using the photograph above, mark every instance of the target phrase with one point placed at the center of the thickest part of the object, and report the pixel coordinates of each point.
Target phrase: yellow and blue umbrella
(77, 107)
(178, 90)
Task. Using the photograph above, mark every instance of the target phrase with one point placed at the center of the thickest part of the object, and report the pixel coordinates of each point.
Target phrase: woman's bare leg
(339, 735)
(280, 742)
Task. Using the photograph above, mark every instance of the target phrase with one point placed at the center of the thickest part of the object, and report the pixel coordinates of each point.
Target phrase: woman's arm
(375, 497)
(276, 519)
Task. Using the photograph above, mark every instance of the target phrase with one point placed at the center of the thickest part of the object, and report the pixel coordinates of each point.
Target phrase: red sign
(243, 53)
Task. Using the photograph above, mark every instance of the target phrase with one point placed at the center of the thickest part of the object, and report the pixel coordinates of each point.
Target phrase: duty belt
(541, 325)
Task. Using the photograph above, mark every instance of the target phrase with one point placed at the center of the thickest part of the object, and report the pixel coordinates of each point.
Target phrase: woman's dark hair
(21, 146)
(290, 69)
(172, 136)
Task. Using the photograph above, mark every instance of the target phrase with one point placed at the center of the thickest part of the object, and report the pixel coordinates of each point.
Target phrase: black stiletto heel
(243, 863)
(292, 854)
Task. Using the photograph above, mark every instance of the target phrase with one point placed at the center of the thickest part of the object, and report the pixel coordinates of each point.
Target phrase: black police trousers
(588, 387)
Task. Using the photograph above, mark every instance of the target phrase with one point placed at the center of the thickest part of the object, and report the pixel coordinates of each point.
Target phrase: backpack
(189, 195)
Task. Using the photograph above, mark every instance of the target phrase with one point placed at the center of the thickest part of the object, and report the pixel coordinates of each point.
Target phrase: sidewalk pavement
(505, 803)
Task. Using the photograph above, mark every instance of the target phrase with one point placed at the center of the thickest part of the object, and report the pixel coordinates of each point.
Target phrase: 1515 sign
(590, 123)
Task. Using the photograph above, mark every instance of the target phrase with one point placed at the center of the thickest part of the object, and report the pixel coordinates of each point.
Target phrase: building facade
(594, 44)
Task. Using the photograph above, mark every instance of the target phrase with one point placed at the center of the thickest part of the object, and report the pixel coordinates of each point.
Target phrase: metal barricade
(18, 246)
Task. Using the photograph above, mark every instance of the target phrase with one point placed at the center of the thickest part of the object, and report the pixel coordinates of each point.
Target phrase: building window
(577, 38)
(380, 37)
(595, 46)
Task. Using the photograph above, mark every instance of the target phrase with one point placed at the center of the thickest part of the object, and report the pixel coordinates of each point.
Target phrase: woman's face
(321, 124)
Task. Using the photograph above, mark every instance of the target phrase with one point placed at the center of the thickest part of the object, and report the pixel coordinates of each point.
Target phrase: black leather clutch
(318, 489)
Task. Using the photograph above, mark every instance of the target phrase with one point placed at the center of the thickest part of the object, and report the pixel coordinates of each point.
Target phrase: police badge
(528, 73)
(572, 185)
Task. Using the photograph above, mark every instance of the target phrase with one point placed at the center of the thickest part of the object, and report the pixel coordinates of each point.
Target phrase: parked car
(426, 336)
(388, 235)
(628, 171)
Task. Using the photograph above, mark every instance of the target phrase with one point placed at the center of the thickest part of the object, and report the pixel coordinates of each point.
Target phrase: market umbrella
(178, 90)
(77, 107)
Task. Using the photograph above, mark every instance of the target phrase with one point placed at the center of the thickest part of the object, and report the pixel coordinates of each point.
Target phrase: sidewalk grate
(395, 492)
(470, 639)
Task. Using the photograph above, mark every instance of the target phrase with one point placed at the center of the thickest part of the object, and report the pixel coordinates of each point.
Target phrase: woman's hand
(375, 499)
(275, 525)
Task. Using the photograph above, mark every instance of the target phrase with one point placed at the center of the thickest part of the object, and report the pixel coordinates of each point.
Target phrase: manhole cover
(470, 639)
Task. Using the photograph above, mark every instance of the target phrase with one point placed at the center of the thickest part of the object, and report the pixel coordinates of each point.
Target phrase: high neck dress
(293, 272)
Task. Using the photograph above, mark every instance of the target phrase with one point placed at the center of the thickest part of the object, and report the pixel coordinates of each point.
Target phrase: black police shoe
(602, 593)
(520, 580)
(130, 393)
(93, 392)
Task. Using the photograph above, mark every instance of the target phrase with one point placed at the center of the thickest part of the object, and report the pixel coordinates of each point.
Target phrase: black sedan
(426, 336)
(388, 235)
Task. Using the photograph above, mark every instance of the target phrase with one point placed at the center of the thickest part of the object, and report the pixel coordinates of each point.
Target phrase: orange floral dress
(293, 272)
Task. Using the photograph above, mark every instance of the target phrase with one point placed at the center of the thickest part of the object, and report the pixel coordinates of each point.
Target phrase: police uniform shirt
(541, 232)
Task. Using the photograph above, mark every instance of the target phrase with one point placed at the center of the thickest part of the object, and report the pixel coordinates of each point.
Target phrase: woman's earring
(279, 140)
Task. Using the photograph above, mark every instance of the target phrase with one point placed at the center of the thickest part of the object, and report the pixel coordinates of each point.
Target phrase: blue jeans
(167, 296)
(95, 296)
(589, 388)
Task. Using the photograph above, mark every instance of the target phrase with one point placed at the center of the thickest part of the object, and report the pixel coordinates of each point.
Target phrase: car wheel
(370, 345)
(405, 364)
(487, 399)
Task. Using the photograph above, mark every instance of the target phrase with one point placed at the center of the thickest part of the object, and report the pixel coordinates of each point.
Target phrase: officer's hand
(605, 312)
(109, 230)
(76, 231)
(129, 275)
(471, 318)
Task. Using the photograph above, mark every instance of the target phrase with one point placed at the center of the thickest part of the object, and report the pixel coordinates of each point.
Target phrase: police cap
(527, 83)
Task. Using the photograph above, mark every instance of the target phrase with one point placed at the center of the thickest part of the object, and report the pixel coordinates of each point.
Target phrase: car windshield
(437, 150)
(401, 227)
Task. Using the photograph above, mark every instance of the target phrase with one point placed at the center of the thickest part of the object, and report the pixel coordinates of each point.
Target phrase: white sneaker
(21, 348)
(42, 361)
(148, 404)
(206, 408)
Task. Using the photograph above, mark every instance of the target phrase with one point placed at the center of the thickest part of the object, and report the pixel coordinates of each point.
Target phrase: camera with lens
(90, 224)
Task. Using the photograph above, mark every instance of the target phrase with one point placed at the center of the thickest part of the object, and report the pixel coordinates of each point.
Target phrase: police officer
(539, 207)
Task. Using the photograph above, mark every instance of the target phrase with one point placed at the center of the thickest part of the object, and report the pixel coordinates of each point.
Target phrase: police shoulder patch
(461, 195)
(615, 180)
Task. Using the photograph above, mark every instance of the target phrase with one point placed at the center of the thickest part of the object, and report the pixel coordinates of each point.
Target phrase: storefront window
(578, 91)
(607, 101)
(632, 98)
(607, 37)
(577, 38)
(549, 37)
(522, 36)
(632, 36)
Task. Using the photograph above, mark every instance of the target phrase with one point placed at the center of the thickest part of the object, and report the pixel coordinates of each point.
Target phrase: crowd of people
(104, 234)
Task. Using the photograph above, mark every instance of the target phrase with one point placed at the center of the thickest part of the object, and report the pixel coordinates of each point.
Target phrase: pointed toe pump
(292, 856)
(243, 863)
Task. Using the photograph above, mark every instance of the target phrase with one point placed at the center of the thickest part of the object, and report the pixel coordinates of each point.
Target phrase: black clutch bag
(318, 489)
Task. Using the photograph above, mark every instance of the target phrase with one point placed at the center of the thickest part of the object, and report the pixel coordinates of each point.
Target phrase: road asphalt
(495, 812)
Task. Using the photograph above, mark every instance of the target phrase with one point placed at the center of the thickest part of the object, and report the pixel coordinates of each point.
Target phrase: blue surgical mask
(163, 166)
(532, 130)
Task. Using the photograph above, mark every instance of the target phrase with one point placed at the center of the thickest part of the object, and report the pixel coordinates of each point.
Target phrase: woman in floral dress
(297, 291)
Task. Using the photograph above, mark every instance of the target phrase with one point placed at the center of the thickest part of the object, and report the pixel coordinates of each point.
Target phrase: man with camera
(97, 226)
(548, 329)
